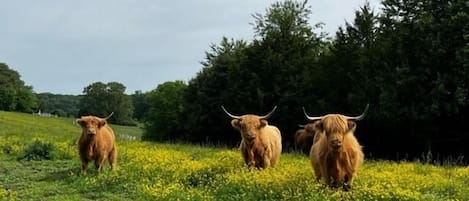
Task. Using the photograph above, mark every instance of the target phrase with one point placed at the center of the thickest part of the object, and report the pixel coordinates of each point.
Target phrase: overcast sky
(62, 46)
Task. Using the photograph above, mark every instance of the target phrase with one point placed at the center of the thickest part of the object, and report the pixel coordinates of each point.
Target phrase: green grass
(157, 171)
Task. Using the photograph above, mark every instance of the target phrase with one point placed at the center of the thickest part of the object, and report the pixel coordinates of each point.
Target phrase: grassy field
(39, 161)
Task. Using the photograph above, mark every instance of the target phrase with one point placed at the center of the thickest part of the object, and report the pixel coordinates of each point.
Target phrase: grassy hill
(156, 171)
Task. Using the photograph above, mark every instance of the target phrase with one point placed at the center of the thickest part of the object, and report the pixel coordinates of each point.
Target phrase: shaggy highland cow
(306, 137)
(97, 142)
(261, 144)
(336, 155)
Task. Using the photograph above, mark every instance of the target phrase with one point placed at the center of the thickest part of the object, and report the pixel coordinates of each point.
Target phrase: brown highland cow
(305, 137)
(336, 155)
(261, 144)
(97, 142)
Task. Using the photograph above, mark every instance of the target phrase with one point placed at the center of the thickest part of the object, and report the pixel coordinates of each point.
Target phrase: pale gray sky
(62, 46)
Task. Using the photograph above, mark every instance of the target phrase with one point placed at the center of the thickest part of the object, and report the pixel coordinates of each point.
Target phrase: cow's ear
(235, 123)
(81, 122)
(351, 126)
(102, 122)
(263, 123)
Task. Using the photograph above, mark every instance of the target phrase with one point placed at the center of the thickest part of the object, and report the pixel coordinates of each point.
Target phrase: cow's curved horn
(232, 116)
(360, 117)
(109, 116)
(269, 114)
(310, 118)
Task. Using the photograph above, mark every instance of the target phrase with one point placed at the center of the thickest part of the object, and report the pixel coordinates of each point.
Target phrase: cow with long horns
(336, 155)
(261, 143)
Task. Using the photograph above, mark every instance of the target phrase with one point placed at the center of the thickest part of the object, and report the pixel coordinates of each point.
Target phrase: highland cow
(305, 137)
(336, 155)
(97, 142)
(261, 144)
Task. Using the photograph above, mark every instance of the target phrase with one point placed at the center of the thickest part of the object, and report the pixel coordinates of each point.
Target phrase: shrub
(38, 151)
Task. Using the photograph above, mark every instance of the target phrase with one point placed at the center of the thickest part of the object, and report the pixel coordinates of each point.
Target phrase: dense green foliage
(161, 119)
(101, 99)
(408, 61)
(155, 171)
(61, 105)
(140, 104)
(14, 94)
(253, 78)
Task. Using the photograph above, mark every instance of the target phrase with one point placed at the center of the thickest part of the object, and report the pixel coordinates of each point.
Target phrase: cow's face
(248, 126)
(91, 124)
(335, 127)
(311, 128)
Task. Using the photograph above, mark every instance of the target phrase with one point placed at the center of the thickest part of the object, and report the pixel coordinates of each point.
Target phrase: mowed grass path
(157, 171)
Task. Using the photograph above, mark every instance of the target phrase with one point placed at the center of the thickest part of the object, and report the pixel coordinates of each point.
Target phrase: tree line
(99, 99)
(408, 61)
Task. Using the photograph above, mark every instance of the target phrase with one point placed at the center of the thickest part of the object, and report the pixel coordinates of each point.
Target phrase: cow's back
(106, 138)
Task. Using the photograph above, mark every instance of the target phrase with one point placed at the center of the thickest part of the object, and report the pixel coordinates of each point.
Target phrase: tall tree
(14, 94)
(140, 103)
(350, 67)
(162, 121)
(425, 69)
(216, 84)
(101, 99)
(409, 63)
(285, 55)
(427, 56)
(276, 69)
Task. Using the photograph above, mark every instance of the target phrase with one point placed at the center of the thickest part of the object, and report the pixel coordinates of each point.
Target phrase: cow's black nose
(336, 144)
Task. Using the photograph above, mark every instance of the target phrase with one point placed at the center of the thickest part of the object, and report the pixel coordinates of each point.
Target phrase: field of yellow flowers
(39, 161)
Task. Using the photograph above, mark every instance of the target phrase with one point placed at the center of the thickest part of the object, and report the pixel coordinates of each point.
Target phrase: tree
(278, 68)
(140, 104)
(349, 69)
(101, 99)
(162, 121)
(409, 63)
(14, 94)
(285, 55)
(61, 105)
(426, 42)
(218, 83)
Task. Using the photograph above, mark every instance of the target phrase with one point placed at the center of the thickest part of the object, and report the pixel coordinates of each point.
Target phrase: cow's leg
(251, 159)
(325, 174)
(84, 166)
(348, 182)
(244, 153)
(112, 158)
(99, 162)
(317, 172)
(266, 158)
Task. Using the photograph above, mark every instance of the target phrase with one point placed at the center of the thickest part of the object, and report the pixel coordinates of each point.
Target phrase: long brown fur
(97, 143)
(261, 144)
(305, 137)
(337, 166)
